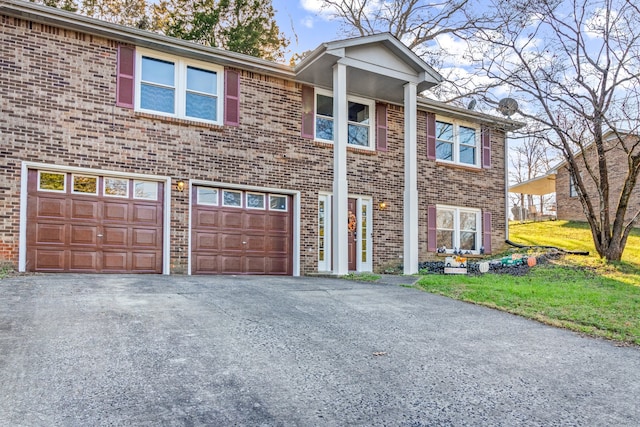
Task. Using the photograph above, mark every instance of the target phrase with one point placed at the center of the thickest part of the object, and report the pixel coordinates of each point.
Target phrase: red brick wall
(58, 101)
(570, 208)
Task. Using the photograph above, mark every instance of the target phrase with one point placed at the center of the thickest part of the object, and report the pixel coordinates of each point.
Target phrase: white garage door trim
(166, 237)
(296, 214)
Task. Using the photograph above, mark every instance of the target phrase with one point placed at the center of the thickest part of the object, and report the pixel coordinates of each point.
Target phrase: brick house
(128, 151)
(560, 181)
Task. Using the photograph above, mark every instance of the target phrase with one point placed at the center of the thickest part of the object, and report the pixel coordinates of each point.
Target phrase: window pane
(444, 150)
(467, 241)
(468, 221)
(358, 113)
(207, 196)
(358, 135)
(445, 238)
(325, 106)
(467, 155)
(157, 98)
(85, 184)
(467, 136)
(202, 81)
(51, 181)
(321, 230)
(157, 71)
(444, 131)
(145, 190)
(116, 187)
(255, 201)
(324, 128)
(444, 219)
(201, 106)
(364, 232)
(232, 198)
(278, 203)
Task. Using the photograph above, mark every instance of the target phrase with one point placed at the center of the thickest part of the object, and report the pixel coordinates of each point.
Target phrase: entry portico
(378, 67)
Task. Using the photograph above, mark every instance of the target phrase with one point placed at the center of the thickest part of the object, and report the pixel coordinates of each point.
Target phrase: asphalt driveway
(79, 350)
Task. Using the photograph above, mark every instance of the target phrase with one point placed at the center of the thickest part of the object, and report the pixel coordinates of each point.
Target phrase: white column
(411, 235)
(340, 186)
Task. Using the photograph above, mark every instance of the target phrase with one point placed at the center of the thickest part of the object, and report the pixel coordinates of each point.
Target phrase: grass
(5, 270)
(584, 294)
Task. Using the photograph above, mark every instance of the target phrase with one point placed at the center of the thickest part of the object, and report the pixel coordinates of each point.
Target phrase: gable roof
(379, 66)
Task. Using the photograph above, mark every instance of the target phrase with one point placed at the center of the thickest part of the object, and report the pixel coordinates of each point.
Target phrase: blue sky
(303, 18)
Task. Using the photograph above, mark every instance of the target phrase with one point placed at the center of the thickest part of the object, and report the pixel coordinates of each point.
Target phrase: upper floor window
(457, 142)
(360, 120)
(178, 87)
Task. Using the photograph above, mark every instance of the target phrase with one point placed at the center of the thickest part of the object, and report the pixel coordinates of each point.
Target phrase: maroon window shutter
(486, 232)
(125, 79)
(231, 98)
(381, 127)
(431, 229)
(431, 136)
(308, 116)
(486, 147)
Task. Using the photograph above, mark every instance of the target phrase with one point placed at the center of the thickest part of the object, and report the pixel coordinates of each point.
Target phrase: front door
(352, 224)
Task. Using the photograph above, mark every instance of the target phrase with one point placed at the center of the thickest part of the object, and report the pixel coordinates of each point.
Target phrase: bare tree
(529, 159)
(577, 65)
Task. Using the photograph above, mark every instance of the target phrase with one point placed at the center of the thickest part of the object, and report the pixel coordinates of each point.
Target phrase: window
(146, 190)
(232, 198)
(85, 184)
(51, 181)
(359, 118)
(457, 143)
(178, 87)
(116, 187)
(207, 196)
(573, 188)
(458, 228)
(277, 203)
(255, 201)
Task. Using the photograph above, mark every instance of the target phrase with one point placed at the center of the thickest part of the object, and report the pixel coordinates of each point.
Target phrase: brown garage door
(241, 232)
(93, 224)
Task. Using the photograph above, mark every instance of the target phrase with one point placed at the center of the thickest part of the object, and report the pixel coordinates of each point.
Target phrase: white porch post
(410, 180)
(340, 186)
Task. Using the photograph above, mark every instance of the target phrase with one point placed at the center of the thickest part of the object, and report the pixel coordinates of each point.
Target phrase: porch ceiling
(537, 186)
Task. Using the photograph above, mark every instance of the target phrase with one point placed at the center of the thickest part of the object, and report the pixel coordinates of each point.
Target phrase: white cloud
(307, 21)
(311, 5)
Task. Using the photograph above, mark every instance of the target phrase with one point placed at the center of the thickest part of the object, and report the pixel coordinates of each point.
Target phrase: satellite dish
(472, 104)
(508, 106)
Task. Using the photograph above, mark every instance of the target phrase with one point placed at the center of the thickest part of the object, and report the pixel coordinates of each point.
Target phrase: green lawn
(580, 293)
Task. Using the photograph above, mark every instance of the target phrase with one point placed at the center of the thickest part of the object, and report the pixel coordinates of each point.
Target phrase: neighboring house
(560, 181)
(128, 151)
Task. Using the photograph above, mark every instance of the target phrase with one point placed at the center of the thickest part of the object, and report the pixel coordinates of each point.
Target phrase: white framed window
(278, 203)
(360, 112)
(207, 196)
(116, 187)
(84, 184)
(256, 201)
(457, 142)
(52, 181)
(146, 190)
(458, 229)
(178, 87)
(232, 198)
